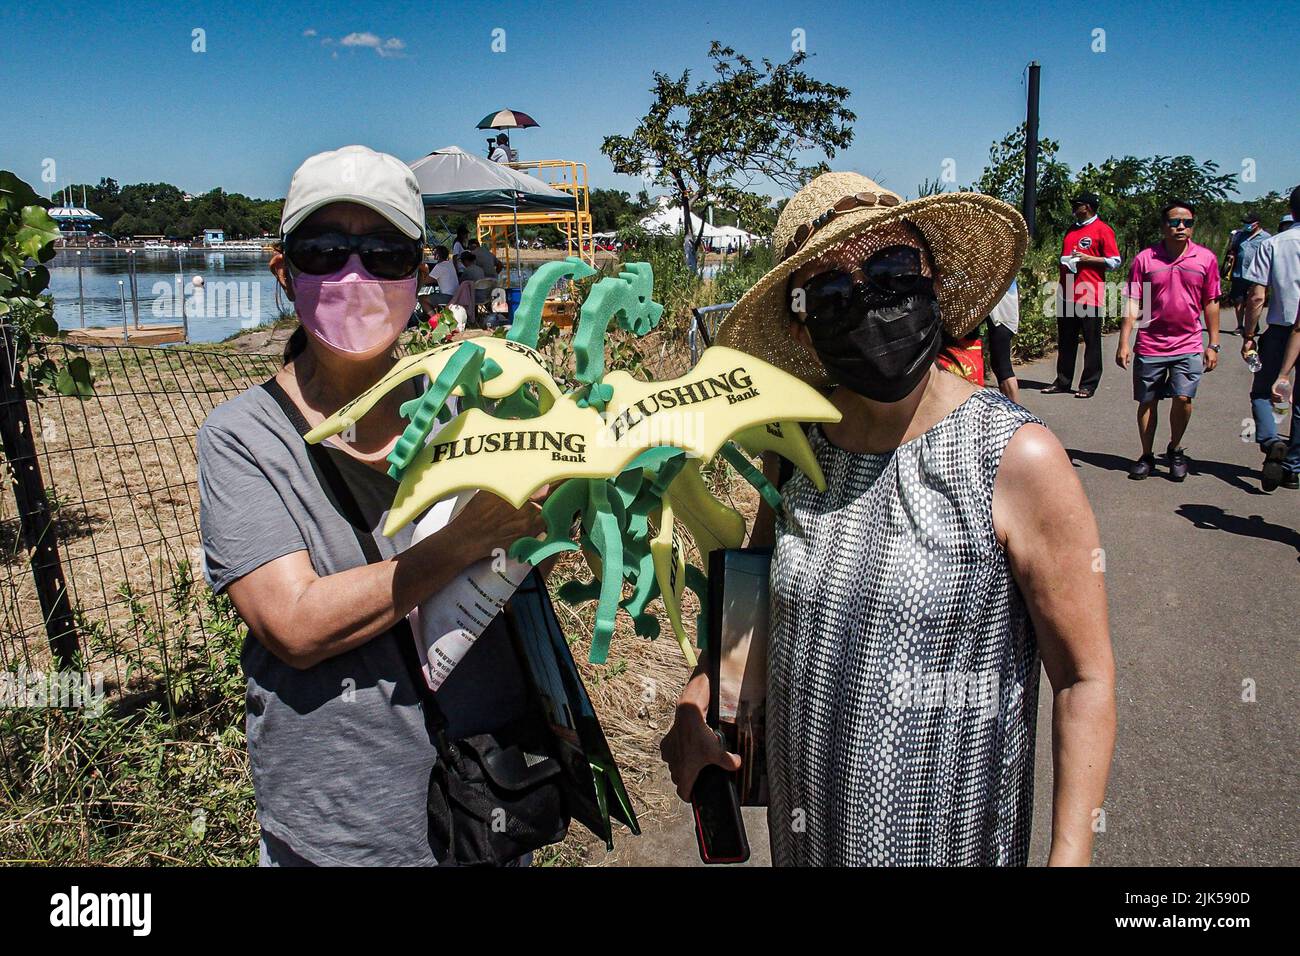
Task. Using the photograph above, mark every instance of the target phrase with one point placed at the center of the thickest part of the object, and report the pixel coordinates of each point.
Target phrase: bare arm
(1044, 521)
(1289, 358)
(303, 618)
(1084, 259)
(1254, 307)
(1124, 354)
(1212, 328)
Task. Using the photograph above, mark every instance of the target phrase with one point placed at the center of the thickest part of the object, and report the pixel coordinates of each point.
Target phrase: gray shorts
(1166, 376)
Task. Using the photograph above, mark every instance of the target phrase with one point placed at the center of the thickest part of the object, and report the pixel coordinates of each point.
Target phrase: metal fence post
(81, 292)
(135, 292)
(33, 508)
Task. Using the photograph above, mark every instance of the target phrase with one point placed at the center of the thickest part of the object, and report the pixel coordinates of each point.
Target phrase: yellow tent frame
(569, 177)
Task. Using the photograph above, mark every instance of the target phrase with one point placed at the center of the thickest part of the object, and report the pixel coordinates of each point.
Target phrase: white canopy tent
(666, 220)
(731, 238)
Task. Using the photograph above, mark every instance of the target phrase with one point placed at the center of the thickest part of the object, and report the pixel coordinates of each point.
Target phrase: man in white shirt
(1275, 268)
(501, 152)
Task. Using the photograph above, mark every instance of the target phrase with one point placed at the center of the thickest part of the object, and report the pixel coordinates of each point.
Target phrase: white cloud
(361, 39)
(309, 32)
(393, 46)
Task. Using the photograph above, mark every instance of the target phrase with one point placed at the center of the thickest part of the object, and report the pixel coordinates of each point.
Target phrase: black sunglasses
(891, 274)
(387, 255)
(1175, 223)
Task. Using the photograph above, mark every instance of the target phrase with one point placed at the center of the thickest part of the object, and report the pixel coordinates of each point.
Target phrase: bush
(677, 286)
(735, 278)
(163, 779)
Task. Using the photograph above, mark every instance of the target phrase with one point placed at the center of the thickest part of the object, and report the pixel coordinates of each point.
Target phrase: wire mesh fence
(704, 327)
(120, 509)
(100, 555)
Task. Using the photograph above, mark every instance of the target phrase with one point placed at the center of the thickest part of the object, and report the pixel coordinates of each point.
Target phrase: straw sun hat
(976, 243)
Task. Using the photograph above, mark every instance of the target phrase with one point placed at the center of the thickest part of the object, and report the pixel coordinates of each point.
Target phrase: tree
(27, 236)
(930, 187)
(712, 144)
(1004, 177)
(1134, 190)
(610, 207)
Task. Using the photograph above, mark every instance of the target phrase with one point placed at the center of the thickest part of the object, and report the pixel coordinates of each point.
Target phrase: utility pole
(1031, 149)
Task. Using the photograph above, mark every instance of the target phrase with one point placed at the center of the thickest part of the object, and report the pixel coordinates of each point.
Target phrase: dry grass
(121, 473)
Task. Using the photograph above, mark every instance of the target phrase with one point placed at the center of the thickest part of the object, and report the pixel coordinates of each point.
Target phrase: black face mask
(881, 351)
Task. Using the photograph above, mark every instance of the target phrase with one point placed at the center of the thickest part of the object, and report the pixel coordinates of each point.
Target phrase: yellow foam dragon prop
(622, 454)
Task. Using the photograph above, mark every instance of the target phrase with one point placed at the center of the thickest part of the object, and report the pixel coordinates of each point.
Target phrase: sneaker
(1177, 459)
(1274, 452)
(1142, 468)
(1291, 481)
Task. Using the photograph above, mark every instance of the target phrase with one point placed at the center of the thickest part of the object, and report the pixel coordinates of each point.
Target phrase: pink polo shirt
(1172, 293)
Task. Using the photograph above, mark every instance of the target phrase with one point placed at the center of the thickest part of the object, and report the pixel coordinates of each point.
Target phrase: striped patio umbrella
(506, 119)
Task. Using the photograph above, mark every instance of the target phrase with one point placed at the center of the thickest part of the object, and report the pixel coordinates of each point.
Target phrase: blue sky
(126, 96)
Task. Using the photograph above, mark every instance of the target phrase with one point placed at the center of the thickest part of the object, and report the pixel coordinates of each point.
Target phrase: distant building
(214, 237)
(74, 221)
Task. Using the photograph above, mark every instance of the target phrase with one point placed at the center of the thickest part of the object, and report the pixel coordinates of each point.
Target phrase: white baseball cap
(355, 174)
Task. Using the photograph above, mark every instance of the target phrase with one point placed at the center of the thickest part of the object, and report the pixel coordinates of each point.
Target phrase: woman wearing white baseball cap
(337, 741)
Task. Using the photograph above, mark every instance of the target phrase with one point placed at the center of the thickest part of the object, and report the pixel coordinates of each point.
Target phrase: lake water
(238, 291)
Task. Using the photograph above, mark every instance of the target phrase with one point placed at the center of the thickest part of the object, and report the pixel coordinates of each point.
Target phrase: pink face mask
(351, 312)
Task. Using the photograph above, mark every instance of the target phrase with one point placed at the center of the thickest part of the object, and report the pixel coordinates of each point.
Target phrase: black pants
(1072, 320)
(1000, 351)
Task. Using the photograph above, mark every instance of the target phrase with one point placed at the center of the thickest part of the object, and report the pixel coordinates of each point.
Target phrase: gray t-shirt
(339, 751)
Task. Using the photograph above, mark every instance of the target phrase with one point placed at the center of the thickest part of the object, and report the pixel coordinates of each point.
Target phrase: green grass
(160, 779)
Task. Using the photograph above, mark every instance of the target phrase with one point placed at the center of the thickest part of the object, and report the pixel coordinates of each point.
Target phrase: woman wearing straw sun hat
(912, 599)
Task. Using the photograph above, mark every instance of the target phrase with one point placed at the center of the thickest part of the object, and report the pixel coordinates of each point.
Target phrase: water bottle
(1282, 406)
(1252, 361)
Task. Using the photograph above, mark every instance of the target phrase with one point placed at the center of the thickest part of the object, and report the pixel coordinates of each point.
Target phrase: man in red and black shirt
(1088, 251)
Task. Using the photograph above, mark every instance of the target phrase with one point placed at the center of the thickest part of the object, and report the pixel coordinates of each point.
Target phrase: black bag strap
(337, 488)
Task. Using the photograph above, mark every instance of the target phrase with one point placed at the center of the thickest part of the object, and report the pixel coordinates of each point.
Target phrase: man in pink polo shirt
(1169, 286)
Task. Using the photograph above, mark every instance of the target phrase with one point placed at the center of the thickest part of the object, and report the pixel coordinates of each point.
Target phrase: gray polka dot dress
(903, 667)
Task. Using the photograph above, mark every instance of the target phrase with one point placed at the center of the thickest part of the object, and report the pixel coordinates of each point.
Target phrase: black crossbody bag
(492, 797)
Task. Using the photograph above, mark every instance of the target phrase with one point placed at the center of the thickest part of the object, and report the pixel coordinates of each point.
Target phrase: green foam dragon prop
(622, 456)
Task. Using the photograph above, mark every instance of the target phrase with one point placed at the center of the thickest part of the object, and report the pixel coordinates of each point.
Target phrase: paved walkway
(1203, 580)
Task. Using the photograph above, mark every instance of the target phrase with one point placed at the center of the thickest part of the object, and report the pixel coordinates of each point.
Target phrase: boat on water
(265, 244)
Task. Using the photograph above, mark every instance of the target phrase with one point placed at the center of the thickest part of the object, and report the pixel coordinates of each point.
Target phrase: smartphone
(719, 827)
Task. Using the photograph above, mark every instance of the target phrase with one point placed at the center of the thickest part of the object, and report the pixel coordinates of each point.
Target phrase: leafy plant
(27, 235)
(158, 779)
(1004, 177)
